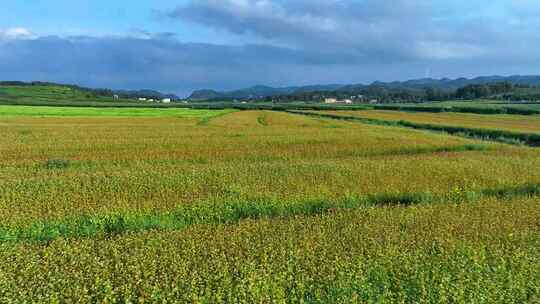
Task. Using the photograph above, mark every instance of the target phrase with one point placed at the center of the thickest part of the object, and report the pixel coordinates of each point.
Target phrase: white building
(330, 100)
(166, 100)
(142, 99)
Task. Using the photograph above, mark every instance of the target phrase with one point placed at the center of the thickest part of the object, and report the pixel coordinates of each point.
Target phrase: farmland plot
(258, 206)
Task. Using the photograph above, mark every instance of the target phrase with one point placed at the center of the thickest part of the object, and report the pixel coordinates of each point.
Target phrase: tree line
(383, 94)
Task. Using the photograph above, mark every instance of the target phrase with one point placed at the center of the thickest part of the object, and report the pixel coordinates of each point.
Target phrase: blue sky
(182, 45)
(94, 17)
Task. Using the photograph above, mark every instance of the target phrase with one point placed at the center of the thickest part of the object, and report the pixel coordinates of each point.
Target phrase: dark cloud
(154, 61)
(378, 29)
(397, 30)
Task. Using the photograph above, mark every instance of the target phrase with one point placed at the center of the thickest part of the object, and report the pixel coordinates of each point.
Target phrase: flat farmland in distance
(7, 111)
(513, 123)
(493, 104)
(260, 206)
(476, 104)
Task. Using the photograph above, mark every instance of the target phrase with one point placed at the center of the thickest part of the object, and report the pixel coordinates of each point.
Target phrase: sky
(182, 45)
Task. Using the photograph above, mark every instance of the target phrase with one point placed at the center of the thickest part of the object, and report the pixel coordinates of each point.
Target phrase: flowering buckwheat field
(200, 206)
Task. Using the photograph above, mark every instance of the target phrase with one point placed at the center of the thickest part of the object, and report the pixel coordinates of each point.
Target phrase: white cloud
(16, 33)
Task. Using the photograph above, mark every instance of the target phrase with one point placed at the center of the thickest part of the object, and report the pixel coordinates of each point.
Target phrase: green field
(199, 206)
(8, 111)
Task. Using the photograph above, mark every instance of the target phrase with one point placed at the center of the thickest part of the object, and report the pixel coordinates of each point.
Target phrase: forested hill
(38, 89)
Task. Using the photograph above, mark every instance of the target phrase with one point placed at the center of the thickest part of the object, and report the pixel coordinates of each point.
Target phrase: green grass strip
(456, 109)
(233, 212)
(207, 119)
(508, 137)
(110, 112)
(430, 150)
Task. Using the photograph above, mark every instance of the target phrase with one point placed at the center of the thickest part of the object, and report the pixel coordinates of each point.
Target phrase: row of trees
(499, 90)
(483, 90)
(379, 93)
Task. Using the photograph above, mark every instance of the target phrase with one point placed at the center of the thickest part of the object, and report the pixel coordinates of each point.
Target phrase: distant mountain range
(259, 90)
(442, 84)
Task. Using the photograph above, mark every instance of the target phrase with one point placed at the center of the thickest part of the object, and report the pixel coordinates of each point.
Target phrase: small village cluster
(353, 99)
(164, 100)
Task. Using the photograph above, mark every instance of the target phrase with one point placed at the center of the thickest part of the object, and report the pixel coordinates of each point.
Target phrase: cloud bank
(291, 42)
